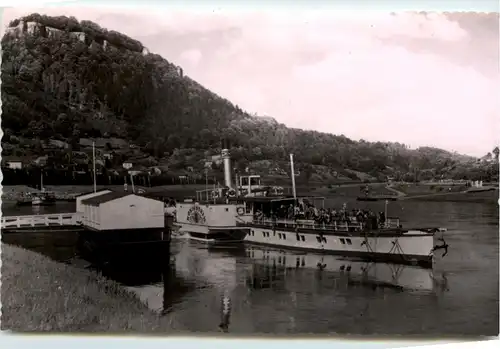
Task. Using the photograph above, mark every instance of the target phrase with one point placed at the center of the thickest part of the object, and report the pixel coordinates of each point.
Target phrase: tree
(496, 151)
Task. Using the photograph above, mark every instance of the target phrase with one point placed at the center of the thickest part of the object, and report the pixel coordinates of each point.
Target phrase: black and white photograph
(267, 170)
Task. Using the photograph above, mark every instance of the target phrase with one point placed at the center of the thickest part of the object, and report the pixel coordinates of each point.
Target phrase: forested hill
(65, 80)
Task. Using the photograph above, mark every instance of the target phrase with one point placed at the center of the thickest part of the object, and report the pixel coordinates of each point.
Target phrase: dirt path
(400, 194)
(432, 194)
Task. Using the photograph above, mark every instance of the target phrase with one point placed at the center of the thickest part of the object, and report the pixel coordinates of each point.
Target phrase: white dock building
(80, 198)
(124, 226)
(122, 211)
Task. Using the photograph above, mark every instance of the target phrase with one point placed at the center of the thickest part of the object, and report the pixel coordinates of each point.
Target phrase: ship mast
(93, 161)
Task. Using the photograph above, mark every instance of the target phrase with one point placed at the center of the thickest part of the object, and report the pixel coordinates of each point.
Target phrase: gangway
(72, 219)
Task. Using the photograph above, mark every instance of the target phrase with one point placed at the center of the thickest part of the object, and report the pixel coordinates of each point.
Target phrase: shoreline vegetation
(40, 295)
(401, 191)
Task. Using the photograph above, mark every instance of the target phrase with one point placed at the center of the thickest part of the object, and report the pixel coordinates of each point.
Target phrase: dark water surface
(270, 296)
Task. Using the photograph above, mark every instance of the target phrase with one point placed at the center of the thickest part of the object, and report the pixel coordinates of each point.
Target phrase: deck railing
(41, 220)
(311, 224)
(206, 195)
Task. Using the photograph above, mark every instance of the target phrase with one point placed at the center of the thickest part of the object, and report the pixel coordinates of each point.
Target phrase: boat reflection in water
(157, 285)
(209, 265)
(236, 283)
(242, 289)
(285, 269)
(226, 267)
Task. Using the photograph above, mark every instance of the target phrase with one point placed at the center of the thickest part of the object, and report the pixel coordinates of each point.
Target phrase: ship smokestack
(293, 177)
(227, 167)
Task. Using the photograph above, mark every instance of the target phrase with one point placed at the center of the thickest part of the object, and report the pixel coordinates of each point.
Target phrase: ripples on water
(275, 291)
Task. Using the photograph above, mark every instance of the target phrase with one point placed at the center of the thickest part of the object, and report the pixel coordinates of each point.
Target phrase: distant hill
(64, 79)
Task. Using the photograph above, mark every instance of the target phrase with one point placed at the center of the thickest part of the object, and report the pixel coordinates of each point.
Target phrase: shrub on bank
(39, 294)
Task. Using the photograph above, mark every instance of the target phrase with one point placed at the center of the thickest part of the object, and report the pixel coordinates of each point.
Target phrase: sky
(418, 78)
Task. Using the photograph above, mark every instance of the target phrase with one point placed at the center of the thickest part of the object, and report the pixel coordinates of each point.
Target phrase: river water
(275, 291)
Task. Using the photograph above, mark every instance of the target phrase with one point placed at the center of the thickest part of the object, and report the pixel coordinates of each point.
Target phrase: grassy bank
(412, 189)
(445, 193)
(39, 294)
(348, 190)
(478, 197)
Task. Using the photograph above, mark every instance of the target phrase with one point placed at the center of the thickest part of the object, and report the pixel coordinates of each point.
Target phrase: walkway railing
(57, 219)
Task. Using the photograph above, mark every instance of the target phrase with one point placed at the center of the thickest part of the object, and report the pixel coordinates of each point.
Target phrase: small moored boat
(42, 198)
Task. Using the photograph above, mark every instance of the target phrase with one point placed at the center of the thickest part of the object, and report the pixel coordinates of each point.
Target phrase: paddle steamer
(247, 213)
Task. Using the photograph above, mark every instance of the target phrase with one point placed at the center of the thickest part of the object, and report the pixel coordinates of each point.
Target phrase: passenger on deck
(274, 217)
(334, 216)
(297, 212)
(258, 215)
(381, 219)
(353, 213)
(282, 212)
(340, 216)
(369, 224)
(322, 216)
(302, 213)
(313, 212)
(330, 216)
(308, 212)
(360, 219)
(373, 220)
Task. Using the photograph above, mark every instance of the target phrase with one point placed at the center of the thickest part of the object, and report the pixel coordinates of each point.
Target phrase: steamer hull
(392, 247)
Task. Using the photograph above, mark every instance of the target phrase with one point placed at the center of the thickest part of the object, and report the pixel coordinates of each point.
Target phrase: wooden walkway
(57, 219)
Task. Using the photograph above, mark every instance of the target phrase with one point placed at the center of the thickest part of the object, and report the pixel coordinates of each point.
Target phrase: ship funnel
(227, 167)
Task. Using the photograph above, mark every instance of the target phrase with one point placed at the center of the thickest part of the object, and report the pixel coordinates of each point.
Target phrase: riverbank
(445, 193)
(39, 294)
(473, 197)
(407, 191)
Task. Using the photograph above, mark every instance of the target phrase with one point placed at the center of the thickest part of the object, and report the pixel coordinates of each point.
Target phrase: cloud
(422, 25)
(191, 57)
(359, 84)
(416, 78)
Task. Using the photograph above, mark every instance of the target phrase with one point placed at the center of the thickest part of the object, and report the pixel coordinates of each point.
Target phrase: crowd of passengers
(327, 216)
